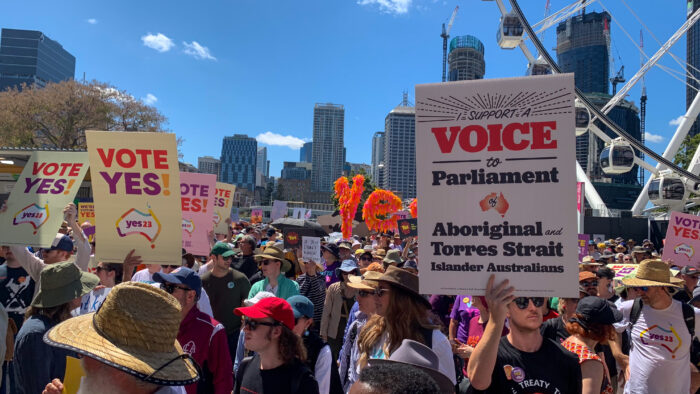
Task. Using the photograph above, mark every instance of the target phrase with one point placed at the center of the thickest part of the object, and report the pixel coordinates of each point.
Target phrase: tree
(58, 114)
(686, 151)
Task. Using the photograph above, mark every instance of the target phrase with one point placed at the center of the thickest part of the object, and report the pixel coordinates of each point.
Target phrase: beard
(99, 380)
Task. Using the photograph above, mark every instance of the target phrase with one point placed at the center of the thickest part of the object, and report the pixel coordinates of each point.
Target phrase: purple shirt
(462, 312)
(441, 307)
(329, 273)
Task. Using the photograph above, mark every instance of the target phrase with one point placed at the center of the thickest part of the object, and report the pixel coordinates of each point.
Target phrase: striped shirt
(313, 288)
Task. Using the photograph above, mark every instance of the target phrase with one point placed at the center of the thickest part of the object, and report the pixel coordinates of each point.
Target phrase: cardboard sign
(235, 215)
(292, 238)
(408, 228)
(402, 214)
(135, 183)
(583, 246)
(279, 210)
(299, 213)
(72, 376)
(682, 240)
(92, 301)
(256, 215)
(496, 161)
(197, 193)
(622, 270)
(311, 249)
(223, 206)
(86, 213)
(48, 182)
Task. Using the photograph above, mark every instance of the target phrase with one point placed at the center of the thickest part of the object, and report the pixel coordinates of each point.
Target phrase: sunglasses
(641, 288)
(524, 302)
(253, 325)
(170, 288)
(266, 262)
(365, 293)
(589, 283)
(381, 292)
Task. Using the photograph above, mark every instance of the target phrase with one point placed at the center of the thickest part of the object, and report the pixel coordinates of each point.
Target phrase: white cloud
(270, 138)
(92, 21)
(655, 138)
(197, 51)
(389, 6)
(150, 99)
(160, 42)
(677, 121)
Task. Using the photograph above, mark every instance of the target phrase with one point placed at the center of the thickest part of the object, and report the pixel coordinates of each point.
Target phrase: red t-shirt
(476, 331)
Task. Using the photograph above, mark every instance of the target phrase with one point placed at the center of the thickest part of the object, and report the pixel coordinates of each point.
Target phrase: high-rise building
(238, 161)
(400, 150)
(466, 59)
(261, 161)
(583, 48)
(305, 153)
(328, 137)
(209, 165)
(296, 170)
(693, 62)
(28, 56)
(378, 158)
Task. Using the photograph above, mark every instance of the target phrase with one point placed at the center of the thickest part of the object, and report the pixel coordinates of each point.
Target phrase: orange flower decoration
(348, 200)
(378, 209)
(413, 208)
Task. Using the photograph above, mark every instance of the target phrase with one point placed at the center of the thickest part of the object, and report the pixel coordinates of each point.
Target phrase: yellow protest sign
(86, 213)
(135, 183)
(48, 182)
(223, 202)
(71, 379)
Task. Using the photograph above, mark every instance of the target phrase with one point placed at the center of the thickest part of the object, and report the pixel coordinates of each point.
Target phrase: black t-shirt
(292, 378)
(246, 265)
(16, 292)
(555, 330)
(682, 295)
(551, 369)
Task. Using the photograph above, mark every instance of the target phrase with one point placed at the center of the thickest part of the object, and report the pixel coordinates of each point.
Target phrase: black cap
(689, 270)
(605, 272)
(596, 310)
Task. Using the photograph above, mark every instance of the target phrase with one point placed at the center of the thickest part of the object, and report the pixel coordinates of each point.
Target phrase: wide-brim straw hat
(652, 273)
(405, 280)
(135, 330)
(272, 252)
(368, 281)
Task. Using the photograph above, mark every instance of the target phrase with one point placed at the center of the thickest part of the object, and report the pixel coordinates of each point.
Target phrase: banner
(311, 249)
(86, 213)
(580, 206)
(256, 215)
(223, 206)
(622, 270)
(292, 237)
(136, 193)
(682, 240)
(48, 182)
(583, 246)
(279, 210)
(497, 164)
(408, 228)
(197, 193)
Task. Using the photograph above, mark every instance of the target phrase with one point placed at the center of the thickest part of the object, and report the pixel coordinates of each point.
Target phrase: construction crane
(546, 14)
(618, 78)
(445, 35)
(643, 106)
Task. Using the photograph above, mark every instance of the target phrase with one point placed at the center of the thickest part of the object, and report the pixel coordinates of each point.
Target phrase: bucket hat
(368, 281)
(332, 249)
(62, 283)
(135, 330)
(405, 280)
(651, 273)
(347, 266)
(588, 260)
(274, 253)
(393, 257)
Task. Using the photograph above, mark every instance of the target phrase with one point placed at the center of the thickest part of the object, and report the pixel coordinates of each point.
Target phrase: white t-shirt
(660, 355)
(143, 276)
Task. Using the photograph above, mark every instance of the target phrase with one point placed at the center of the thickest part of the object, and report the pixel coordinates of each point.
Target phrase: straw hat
(405, 280)
(135, 330)
(380, 253)
(368, 281)
(274, 253)
(651, 273)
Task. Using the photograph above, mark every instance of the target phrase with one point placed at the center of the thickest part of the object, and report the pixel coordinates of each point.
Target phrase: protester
(200, 335)
(364, 258)
(129, 346)
(689, 274)
(588, 263)
(639, 254)
(312, 285)
(345, 250)
(241, 351)
(463, 310)
(273, 264)
(499, 365)
(245, 262)
(393, 257)
(331, 257)
(146, 275)
(410, 266)
(555, 329)
(336, 308)
(278, 363)
(605, 277)
(16, 287)
(588, 283)
(394, 379)
(36, 363)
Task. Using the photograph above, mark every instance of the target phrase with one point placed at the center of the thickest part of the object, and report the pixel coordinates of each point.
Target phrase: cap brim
(250, 311)
(228, 253)
(444, 383)
(78, 334)
(166, 278)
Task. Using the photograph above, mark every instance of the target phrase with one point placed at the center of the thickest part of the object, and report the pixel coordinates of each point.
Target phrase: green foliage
(686, 151)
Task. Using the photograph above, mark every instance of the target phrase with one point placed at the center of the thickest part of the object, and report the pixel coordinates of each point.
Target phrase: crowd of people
(254, 317)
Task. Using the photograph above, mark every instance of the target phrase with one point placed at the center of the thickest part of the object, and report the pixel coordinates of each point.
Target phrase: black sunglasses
(524, 302)
(253, 325)
(170, 288)
(365, 293)
(266, 262)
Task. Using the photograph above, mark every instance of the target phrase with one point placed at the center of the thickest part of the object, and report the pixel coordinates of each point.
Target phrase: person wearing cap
(588, 283)
(278, 364)
(245, 261)
(345, 250)
(393, 257)
(227, 288)
(605, 276)
(660, 354)
(592, 324)
(331, 257)
(318, 353)
(241, 351)
(200, 335)
(410, 266)
(273, 265)
(639, 254)
(36, 363)
(689, 274)
(402, 313)
(588, 263)
(336, 308)
(129, 345)
(364, 257)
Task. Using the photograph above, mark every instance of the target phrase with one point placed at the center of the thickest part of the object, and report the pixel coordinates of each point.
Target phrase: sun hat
(360, 252)
(345, 245)
(639, 249)
(376, 267)
(257, 297)
(368, 281)
(689, 270)
(594, 309)
(607, 254)
(273, 307)
(222, 249)
(181, 276)
(393, 257)
(420, 356)
(135, 330)
(62, 283)
(274, 253)
(332, 249)
(588, 260)
(601, 245)
(380, 253)
(651, 273)
(301, 306)
(356, 243)
(62, 242)
(347, 266)
(405, 280)
(585, 275)
(696, 296)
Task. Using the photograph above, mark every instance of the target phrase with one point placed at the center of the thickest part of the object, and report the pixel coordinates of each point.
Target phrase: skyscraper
(466, 59)
(28, 56)
(693, 59)
(378, 158)
(400, 150)
(296, 170)
(583, 48)
(305, 153)
(209, 165)
(261, 167)
(327, 152)
(238, 161)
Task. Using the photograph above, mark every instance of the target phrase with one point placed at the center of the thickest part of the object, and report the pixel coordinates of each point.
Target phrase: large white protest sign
(311, 249)
(496, 168)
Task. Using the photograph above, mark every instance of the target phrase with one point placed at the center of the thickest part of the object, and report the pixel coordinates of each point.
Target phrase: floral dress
(584, 353)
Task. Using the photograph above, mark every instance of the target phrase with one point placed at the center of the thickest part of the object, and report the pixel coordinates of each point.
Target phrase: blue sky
(216, 68)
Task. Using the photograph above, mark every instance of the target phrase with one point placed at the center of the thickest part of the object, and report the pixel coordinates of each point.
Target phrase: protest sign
(582, 246)
(279, 210)
(73, 375)
(256, 215)
(223, 206)
(86, 213)
(682, 239)
(402, 214)
(408, 228)
(292, 237)
(299, 213)
(48, 182)
(197, 193)
(235, 215)
(598, 238)
(622, 270)
(498, 157)
(311, 249)
(92, 301)
(136, 193)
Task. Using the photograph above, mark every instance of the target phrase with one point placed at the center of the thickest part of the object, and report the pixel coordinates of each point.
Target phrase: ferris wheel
(669, 185)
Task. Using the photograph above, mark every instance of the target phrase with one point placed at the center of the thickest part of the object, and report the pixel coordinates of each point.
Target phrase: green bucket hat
(62, 283)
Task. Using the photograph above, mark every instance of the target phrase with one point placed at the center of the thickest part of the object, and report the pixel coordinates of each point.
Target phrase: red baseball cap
(273, 307)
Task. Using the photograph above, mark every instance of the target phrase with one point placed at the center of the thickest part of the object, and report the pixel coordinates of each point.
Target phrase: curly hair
(596, 331)
(291, 346)
(405, 318)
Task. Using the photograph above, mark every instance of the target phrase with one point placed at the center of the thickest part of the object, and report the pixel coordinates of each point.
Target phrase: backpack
(688, 316)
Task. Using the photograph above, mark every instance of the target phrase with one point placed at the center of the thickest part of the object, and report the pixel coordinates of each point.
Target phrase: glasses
(381, 292)
(170, 288)
(253, 325)
(365, 293)
(641, 288)
(589, 283)
(524, 302)
(266, 262)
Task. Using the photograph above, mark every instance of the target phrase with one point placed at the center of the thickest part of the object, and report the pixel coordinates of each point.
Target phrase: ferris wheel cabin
(510, 31)
(617, 158)
(667, 189)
